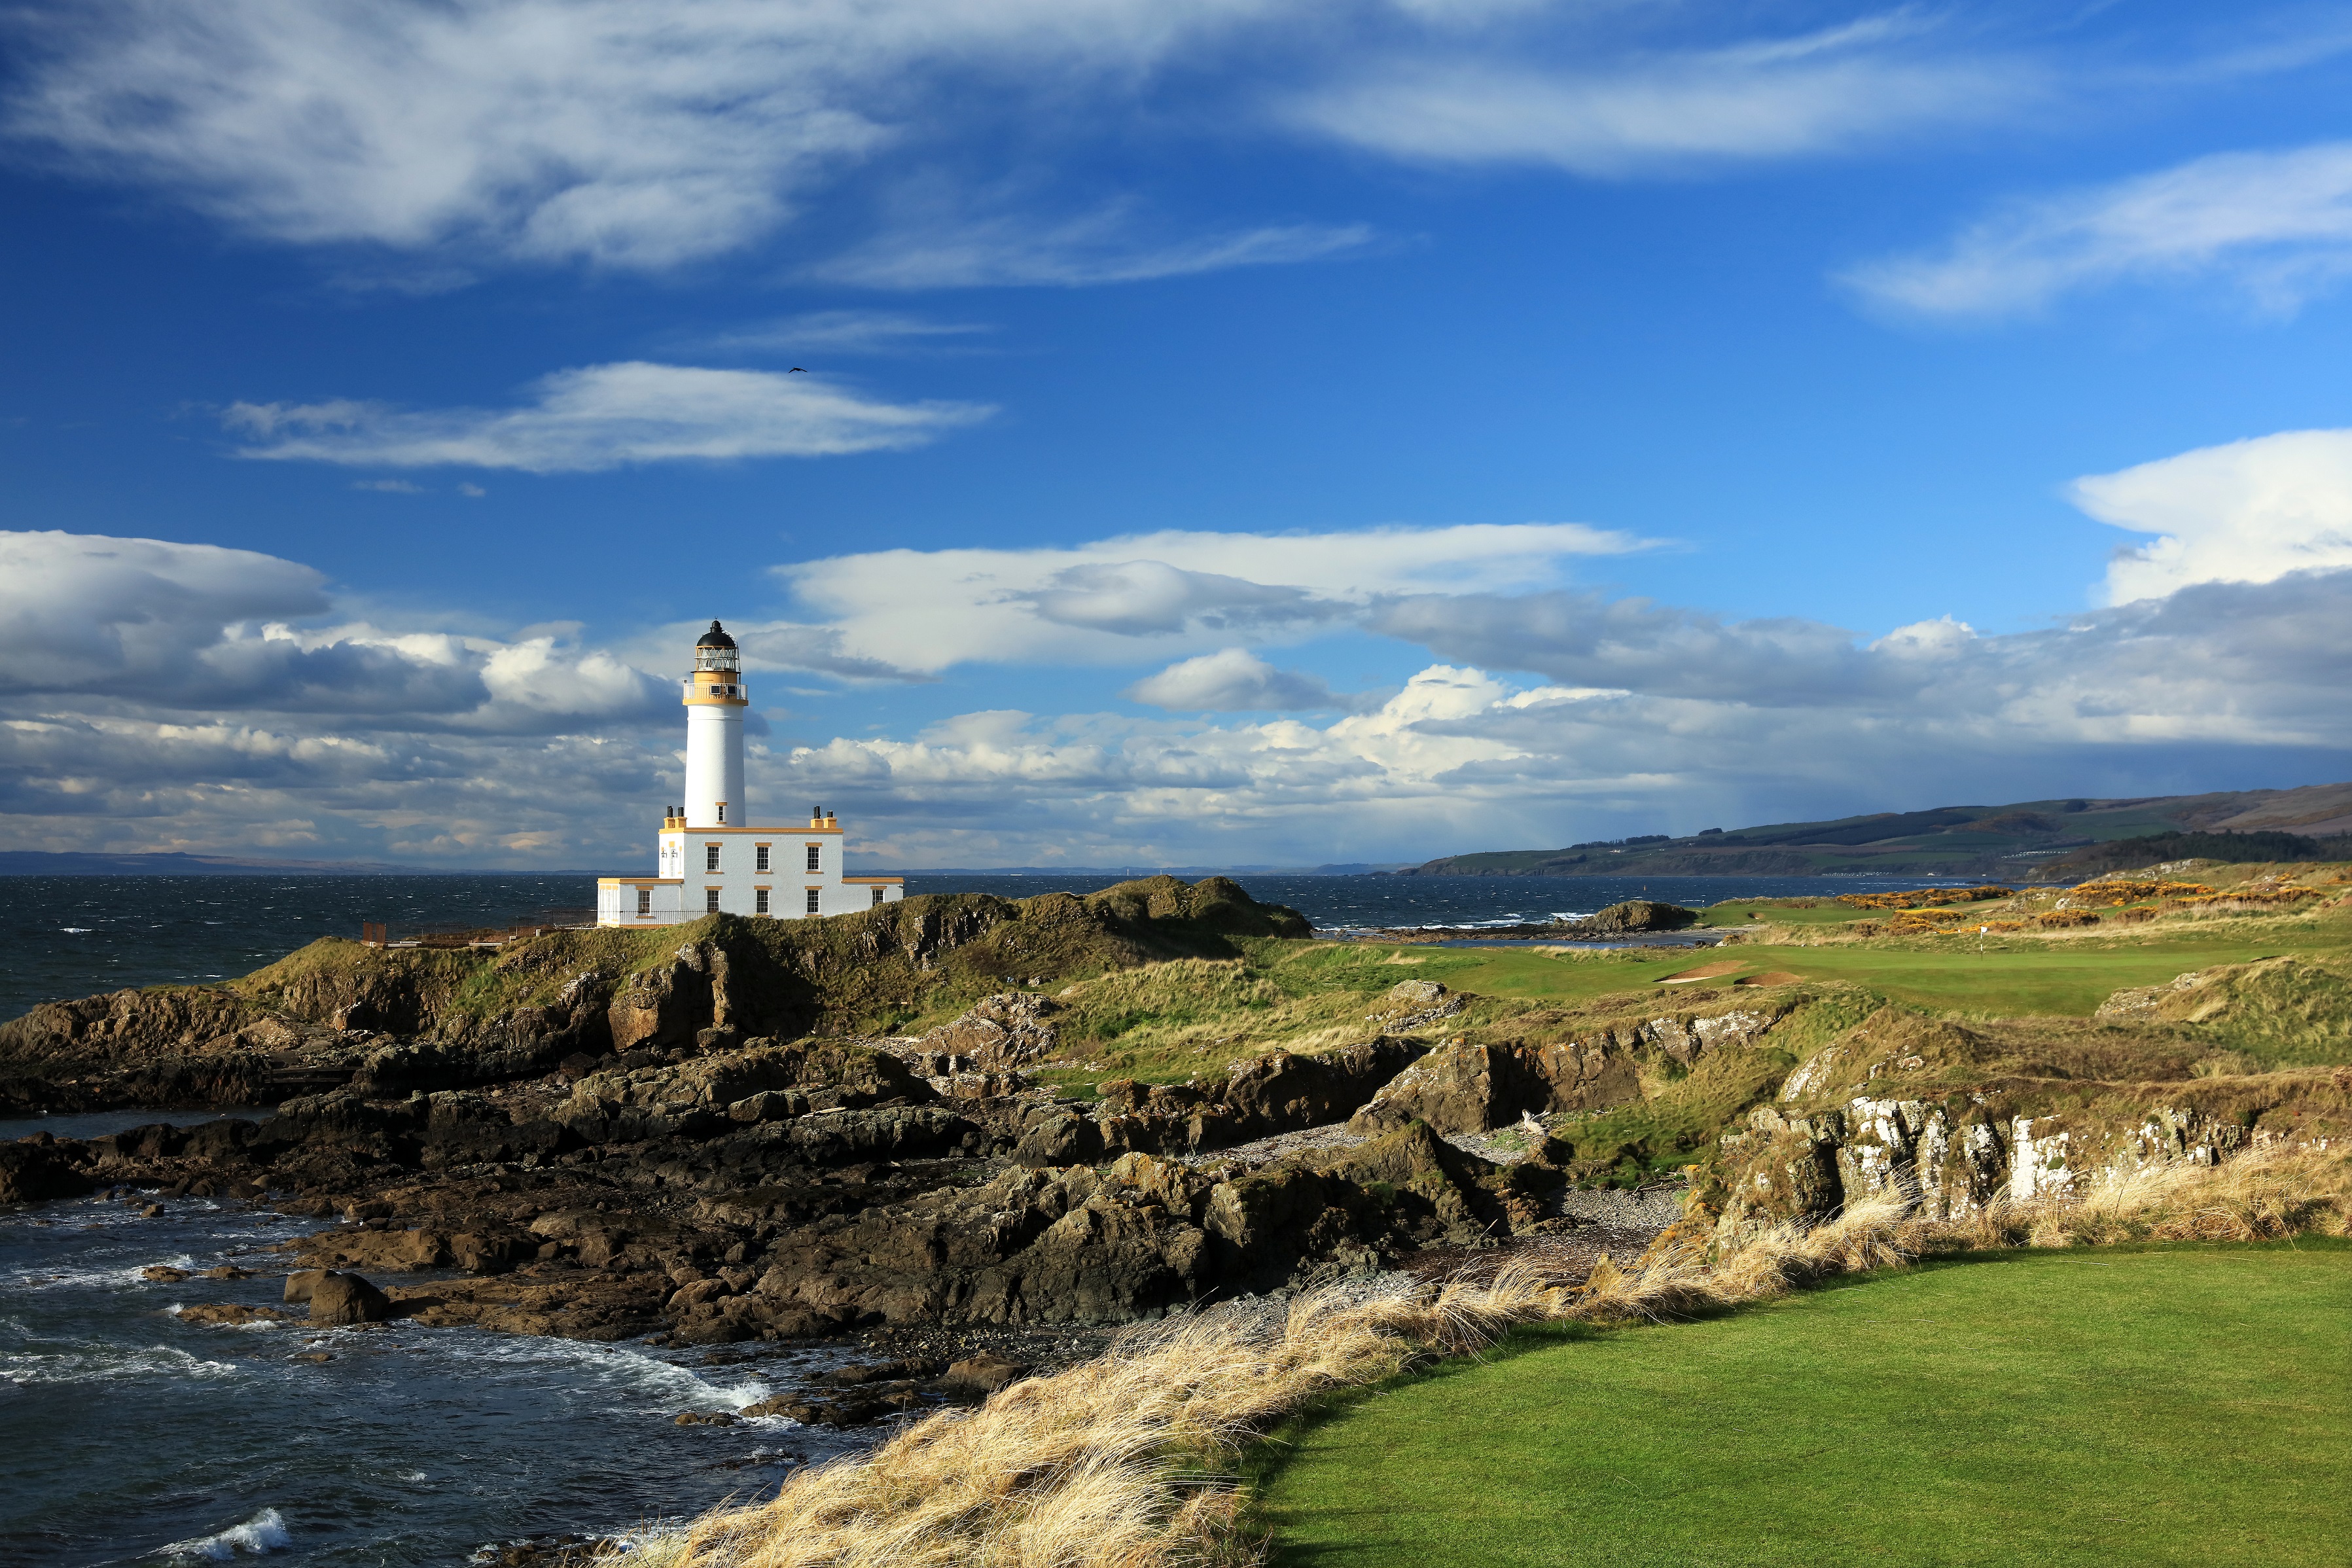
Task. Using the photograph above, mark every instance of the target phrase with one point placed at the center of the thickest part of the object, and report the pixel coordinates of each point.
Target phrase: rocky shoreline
(628, 1158)
(702, 1138)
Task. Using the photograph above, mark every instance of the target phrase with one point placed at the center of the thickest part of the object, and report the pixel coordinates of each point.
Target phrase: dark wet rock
(165, 1274)
(37, 1169)
(339, 1300)
(230, 1314)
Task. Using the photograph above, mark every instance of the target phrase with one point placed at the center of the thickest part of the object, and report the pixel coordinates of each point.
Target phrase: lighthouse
(714, 731)
(710, 859)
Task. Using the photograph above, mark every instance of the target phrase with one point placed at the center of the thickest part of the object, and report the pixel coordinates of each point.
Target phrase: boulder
(34, 1170)
(343, 1298)
(983, 1373)
(1636, 916)
(230, 1314)
(299, 1283)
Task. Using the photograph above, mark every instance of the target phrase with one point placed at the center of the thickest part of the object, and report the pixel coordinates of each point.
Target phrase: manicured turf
(2188, 1406)
(2019, 978)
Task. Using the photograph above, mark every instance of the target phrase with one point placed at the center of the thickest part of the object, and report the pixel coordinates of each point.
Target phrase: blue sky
(1231, 431)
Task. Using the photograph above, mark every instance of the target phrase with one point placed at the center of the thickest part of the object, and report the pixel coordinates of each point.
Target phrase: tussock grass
(1127, 1461)
(1122, 1462)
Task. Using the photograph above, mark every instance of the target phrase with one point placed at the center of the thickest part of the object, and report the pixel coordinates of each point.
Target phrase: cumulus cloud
(163, 696)
(1095, 603)
(604, 417)
(2276, 226)
(1235, 681)
(2250, 511)
(2140, 699)
(1827, 90)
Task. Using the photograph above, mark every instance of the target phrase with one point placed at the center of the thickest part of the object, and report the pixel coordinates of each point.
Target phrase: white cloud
(846, 333)
(2277, 225)
(1109, 246)
(606, 417)
(167, 696)
(623, 134)
(608, 131)
(1825, 91)
(389, 487)
(1235, 681)
(2250, 511)
(1096, 603)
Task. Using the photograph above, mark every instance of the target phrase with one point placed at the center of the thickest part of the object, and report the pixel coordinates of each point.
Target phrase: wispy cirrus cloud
(2276, 227)
(604, 417)
(1109, 245)
(847, 332)
(1644, 111)
(649, 137)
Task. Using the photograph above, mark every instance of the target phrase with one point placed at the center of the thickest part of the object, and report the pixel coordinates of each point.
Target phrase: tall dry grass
(1125, 1461)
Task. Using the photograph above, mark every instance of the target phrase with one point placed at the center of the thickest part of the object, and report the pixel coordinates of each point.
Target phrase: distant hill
(2011, 841)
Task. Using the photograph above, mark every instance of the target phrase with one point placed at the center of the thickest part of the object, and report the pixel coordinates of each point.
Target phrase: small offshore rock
(163, 1273)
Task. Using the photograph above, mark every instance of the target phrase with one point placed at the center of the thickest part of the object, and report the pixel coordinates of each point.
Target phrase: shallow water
(131, 1436)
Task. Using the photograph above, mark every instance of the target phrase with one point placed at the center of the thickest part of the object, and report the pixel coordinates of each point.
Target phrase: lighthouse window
(814, 894)
(763, 858)
(710, 856)
(815, 856)
(644, 900)
(760, 900)
(722, 811)
(711, 900)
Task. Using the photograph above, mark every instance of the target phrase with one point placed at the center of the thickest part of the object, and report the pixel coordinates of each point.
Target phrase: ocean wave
(265, 1531)
(88, 1362)
(636, 1381)
(108, 1278)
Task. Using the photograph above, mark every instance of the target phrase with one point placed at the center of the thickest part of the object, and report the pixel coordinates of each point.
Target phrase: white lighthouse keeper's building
(711, 859)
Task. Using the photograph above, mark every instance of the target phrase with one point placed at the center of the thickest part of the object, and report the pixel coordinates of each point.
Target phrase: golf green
(2188, 1405)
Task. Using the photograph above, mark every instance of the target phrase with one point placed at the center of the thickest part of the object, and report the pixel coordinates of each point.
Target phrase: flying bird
(796, 369)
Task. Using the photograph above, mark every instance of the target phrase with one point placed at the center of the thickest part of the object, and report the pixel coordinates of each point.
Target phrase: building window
(814, 894)
(816, 856)
(877, 895)
(763, 858)
(710, 856)
(759, 901)
(711, 900)
(645, 901)
(722, 812)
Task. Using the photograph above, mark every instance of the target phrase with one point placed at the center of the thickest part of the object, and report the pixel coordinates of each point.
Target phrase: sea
(129, 1436)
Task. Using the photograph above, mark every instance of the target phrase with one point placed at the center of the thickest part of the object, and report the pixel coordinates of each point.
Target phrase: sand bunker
(1769, 978)
(1705, 972)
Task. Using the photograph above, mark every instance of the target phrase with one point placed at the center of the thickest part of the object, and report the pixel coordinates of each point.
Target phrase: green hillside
(2019, 841)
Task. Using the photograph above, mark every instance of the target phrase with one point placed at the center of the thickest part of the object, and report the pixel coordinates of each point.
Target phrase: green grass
(2010, 978)
(2150, 1406)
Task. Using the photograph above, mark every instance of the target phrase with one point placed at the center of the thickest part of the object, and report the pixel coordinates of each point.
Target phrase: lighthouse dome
(715, 650)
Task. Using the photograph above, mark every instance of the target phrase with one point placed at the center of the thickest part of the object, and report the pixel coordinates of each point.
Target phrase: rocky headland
(892, 1123)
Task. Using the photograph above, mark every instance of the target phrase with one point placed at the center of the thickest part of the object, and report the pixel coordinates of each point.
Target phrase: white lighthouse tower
(714, 731)
(711, 859)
